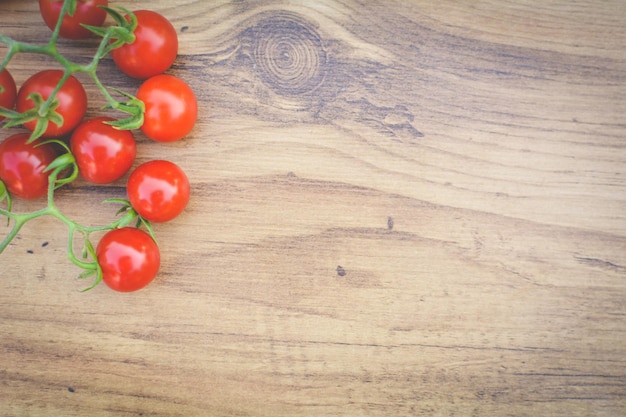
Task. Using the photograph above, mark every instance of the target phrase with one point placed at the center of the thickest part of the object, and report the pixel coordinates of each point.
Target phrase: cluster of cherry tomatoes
(158, 190)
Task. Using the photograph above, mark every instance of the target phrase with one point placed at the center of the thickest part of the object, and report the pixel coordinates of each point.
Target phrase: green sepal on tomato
(5, 196)
(70, 103)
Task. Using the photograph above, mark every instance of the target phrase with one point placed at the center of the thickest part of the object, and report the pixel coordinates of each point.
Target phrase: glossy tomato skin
(158, 190)
(87, 12)
(9, 91)
(154, 49)
(171, 108)
(103, 153)
(129, 259)
(72, 100)
(22, 166)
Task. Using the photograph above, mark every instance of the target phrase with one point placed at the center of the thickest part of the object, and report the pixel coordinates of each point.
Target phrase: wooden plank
(398, 208)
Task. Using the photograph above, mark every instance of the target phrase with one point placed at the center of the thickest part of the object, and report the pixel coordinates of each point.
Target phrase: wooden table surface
(398, 209)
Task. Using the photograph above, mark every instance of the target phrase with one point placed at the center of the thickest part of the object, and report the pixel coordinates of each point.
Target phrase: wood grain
(399, 208)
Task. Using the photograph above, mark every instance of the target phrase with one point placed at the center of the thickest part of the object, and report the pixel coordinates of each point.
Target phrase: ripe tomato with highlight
(8, 91)
(158, 190)
(171, 108)
(103, 153)
(129, 259)
(154, 50)
(22, 166)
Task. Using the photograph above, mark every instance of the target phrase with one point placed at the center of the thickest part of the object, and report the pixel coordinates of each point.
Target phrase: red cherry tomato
(171, 108)
(158, 190)
(72, 100)
(8, 91)
(87, 12)
(154, 49)
(103, 153)
(22, 166)
(129, 259)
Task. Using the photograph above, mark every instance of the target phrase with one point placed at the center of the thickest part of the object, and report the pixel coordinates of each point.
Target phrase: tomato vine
(56, 179)
(35, 105)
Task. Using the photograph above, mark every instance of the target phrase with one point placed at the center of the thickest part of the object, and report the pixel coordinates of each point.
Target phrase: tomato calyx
(129, 214)
(121, 33)
(134, 107)
(61, 165)
(44, 112)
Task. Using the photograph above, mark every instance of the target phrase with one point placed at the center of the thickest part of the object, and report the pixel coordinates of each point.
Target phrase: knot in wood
(288, 53)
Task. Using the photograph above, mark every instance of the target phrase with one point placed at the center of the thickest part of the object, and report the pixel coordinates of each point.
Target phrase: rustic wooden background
(400, 208)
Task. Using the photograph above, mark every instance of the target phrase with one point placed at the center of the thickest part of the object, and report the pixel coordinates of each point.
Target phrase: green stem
(112, 102)
(49, 49)
(70, 251)
(19, 221)
(10, 53)
(14, 231)
(43, 110)
(57, 28)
